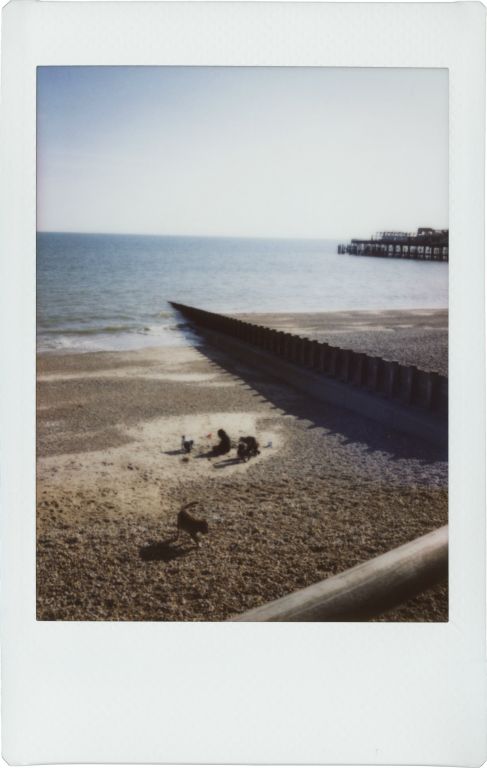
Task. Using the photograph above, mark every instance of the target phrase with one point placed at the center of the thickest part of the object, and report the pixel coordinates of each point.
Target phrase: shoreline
(412, 337)
(333, 490)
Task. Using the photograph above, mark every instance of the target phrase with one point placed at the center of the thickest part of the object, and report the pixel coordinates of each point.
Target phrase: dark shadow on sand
(226, 463)
(350, 426)
(164, 550)
(207, 455)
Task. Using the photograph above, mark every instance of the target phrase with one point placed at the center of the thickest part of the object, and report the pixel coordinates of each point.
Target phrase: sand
(331, 490)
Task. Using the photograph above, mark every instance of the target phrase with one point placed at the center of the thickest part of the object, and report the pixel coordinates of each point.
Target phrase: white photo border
(376, 693)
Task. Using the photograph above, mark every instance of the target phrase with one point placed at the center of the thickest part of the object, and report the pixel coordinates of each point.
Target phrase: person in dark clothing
(224, 445)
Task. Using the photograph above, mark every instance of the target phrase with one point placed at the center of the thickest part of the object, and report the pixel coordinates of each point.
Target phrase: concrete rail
(369, 589)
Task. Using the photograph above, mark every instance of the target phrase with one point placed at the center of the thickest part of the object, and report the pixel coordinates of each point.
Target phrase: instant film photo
(244, 403)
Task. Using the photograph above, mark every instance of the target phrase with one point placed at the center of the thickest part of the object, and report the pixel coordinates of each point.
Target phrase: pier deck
(425, 245)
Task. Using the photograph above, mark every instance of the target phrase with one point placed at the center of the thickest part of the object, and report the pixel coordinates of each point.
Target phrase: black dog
(247, 447)
(190, 524)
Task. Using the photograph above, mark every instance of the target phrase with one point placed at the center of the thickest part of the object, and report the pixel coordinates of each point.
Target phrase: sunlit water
(111, 292)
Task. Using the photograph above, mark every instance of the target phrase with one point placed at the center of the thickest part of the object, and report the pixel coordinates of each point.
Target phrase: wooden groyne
(424, 245)
(368, 590)
(405, 385)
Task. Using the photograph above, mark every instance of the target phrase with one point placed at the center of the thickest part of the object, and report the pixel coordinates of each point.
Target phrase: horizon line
(219, 237)
(172, 234)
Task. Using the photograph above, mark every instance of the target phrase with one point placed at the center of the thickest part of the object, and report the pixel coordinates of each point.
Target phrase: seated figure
(224, 445)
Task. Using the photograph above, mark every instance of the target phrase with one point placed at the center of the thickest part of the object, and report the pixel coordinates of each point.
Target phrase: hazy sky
(286, 152)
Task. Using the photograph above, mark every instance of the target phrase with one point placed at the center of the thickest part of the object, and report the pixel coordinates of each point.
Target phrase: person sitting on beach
(224, 445)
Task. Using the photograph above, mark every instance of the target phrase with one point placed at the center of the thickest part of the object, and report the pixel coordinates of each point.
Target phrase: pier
(425, 245)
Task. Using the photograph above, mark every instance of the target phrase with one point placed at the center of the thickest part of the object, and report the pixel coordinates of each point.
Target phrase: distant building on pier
(426, 244)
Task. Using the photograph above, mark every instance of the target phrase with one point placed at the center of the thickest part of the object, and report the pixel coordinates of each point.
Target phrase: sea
(111, 292)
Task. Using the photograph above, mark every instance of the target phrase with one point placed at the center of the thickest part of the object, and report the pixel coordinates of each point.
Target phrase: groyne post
(316, 355)
(372, 372)
(344, 364)
(323, 356)
(359, 369)
(309, 353)
(408, 374)
(333, 360)
(391, 375)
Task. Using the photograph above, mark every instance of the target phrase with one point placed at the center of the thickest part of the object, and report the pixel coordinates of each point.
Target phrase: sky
(241, 151)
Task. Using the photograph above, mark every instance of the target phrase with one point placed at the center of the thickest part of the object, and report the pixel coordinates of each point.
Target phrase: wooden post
(274, 341)
(324, 352)
(260, 336)
(288, 346)
(267, 339)
(432, 390)
(369, 589)
(391, 372)
(442, 396)
(380, 385)
(279, 343)
(308, 359)
(420, 391)
(333, 361)
(295, 348)
(407, 382)
(344, 364)
(359, 369)
(372, 371)
(316, 355)
(351, 366)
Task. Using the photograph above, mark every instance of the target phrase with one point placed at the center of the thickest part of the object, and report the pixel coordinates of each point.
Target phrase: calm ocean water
(109, 292)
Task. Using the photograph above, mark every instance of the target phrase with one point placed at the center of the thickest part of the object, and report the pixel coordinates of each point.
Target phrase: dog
(247, 447)
(186, 444)
(191, 525)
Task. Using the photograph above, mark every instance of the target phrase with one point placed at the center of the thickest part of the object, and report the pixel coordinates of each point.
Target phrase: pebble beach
(329, 490)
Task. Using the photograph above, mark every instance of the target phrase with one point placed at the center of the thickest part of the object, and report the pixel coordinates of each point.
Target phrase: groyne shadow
(348, 425)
